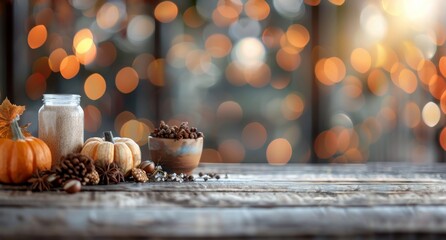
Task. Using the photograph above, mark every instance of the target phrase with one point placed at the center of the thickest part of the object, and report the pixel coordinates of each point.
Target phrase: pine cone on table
(93, 177)
(75, 166)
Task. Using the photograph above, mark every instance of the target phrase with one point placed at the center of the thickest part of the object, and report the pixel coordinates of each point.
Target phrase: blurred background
(281, 81)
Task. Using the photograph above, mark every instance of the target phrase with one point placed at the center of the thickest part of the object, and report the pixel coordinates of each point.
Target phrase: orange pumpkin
(20, 156)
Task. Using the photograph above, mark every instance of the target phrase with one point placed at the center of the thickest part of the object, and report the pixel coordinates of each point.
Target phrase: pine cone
(139, 175)
(93, 177)
(75, 166)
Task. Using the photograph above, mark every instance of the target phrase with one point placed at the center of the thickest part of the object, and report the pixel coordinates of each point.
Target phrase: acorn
(72, 186)
(147, 166)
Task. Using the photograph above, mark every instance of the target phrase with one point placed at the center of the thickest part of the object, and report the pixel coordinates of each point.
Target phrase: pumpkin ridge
(6, 167)
(33, 151)
(23, 165)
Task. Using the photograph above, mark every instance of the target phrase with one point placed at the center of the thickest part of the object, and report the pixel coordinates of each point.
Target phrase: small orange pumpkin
(20, 156)
(123, 151)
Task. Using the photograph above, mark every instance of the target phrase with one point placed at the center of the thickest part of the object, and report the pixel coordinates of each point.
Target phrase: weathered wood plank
(216, 199)
(222, 222)
(255, 200)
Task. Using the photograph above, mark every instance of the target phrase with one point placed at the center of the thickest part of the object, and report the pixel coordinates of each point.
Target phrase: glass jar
(61, 124)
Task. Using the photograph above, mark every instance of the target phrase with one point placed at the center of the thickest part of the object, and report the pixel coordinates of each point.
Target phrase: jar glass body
(61, 124)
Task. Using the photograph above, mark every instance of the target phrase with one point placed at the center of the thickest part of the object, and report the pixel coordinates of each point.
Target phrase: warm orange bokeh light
(426, 70)
(437, 86)
(407, 81)
(218, 45)
(106, 54)
(191, 18)
(135, 130)
(279, 152)
(442, 65)
(166, 11)
(254, 135)
(411, 115)
(292, 106)
(259, 77)
(155, 72)
(37, 36)
(122, 118)
(92, 118)
(95, 86)
(330, 71)
(41, 66)
(56, 58)
(257, 9)
(83, 40)
(361, 60)
(210, 155)
(69, 67)
(231, 151)
(378, 82)
(443, 102)
(442, 138)
(288, 61)
(312, 2)
(141, 63)
(229, 110)
(298, 35)
(271, 37)
(107, 16)
(326, 144)
(337, 2)
(127, 80)
(35, 86)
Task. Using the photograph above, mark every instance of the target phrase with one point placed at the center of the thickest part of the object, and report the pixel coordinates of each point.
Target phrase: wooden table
(253, 201)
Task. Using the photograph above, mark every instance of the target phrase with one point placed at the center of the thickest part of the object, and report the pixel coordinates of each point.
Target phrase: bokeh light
(95, 86)
(156, 73)
(92, 118)
(140, 28)
(257, 9)
(108, 16)
(279, 152)
(166, 11)
(35, 86)
(273, 81)
(231, 151)
(127, 80)
(37, 36)
(249, 53)
(229, 110)
(254, 135)
(361, 60)
(431, 114)
(69, 67)
(218, 45)
(56, 58)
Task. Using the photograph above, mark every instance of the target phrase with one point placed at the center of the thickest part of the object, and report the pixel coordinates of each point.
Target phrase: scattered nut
(72, 186)
(147, 166)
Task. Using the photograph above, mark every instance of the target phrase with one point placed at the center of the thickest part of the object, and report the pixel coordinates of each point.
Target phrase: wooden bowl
(176, 156)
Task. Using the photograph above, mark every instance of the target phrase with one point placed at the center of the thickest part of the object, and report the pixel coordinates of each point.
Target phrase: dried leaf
(8, 113)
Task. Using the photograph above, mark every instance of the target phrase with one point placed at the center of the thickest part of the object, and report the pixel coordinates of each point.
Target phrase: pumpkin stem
(108, 136)
(16, 131)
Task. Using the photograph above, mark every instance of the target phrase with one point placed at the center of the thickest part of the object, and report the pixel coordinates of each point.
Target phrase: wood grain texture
(253, 201)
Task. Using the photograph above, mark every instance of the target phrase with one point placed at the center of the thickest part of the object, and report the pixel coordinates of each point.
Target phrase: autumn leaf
(10, 112)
